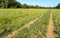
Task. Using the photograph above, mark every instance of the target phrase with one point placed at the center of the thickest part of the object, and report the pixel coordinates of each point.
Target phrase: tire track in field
(20, 29)
(50, 29)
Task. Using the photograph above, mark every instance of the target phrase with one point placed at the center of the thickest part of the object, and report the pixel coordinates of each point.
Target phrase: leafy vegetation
(36, 30)
(12, 19)
(58, 6)
(56, 19)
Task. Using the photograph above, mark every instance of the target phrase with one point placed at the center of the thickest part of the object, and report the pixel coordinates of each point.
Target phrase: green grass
(56, 19)
(38, 28)
(12, 19)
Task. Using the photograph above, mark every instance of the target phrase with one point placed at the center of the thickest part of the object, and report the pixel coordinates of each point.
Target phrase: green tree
(58, 6)
(18, 5)
(11, 3)
(25, 6)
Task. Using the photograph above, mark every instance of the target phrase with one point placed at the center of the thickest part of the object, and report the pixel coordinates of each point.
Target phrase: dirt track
(50, 29)
(20, 29)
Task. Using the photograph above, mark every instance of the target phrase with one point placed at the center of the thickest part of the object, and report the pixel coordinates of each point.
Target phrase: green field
(56, 19)
(14, 19)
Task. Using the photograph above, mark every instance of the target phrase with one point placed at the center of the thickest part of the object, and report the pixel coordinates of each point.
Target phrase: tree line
(16, 4)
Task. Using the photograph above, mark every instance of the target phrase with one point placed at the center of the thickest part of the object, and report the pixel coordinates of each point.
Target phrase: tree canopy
(15, 4)
(9, 4)
(58, 6)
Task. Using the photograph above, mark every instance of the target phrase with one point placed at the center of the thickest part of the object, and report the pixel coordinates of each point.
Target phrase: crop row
(56, 20)
(12, 19)
(36, 30)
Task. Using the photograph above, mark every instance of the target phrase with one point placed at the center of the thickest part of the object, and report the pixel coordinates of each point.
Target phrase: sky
(44, 3)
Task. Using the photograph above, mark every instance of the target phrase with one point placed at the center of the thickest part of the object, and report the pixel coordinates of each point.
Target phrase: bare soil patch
(50, 29)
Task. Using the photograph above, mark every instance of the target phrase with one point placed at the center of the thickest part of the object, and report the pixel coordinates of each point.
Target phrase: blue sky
(46, 3)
